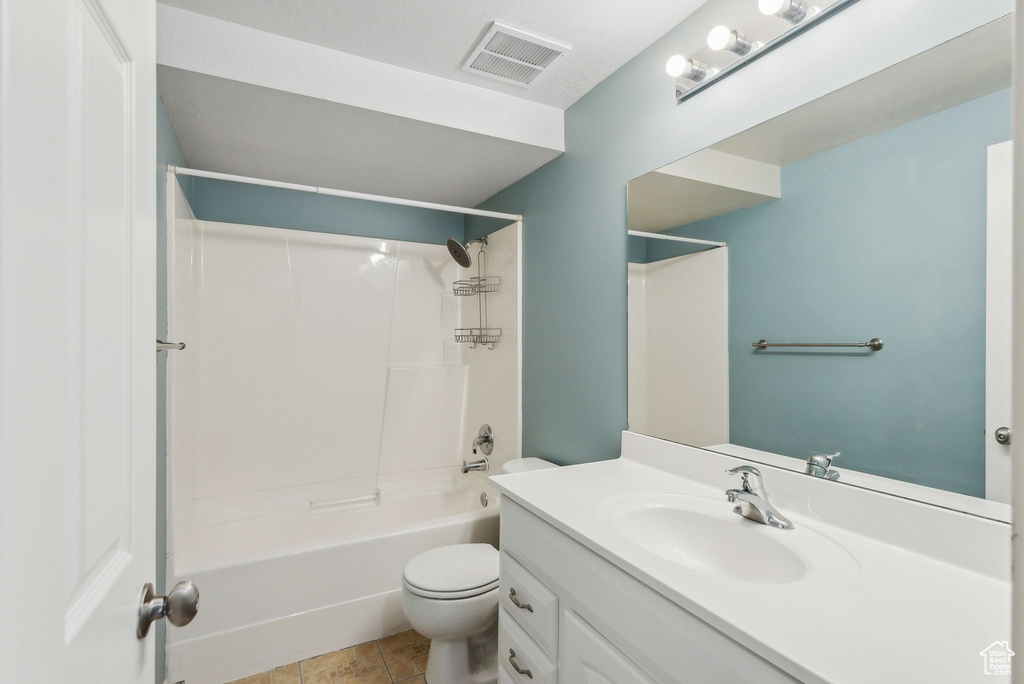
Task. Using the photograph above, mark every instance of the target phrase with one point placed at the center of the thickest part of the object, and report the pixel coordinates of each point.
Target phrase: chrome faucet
(753, 500)
(482, 465)
(818, 466)
(484, 440)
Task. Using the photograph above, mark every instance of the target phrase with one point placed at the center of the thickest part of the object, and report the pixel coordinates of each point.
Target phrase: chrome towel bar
(873, 344)
(169, 346)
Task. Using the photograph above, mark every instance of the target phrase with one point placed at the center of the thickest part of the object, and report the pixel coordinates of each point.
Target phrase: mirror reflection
(879, 212)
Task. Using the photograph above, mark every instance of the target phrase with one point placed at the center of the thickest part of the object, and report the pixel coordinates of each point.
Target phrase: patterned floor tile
(405, 654)
(397, 659)
(356, 665)
(289, 674)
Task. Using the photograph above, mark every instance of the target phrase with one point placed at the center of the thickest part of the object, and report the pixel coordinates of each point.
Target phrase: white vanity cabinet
(579, 619)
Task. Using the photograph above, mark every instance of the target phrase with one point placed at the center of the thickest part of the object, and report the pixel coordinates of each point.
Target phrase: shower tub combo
(317, 421)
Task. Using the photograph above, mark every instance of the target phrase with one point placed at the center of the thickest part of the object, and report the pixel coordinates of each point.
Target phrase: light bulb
(772, 7)
(793, 11)
(724, 38)
(678, 66)
(719, 37)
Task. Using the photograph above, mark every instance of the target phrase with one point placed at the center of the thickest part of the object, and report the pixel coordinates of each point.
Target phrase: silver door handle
(512, 660)
(179, 606)
(519, 604)
(1003, 435)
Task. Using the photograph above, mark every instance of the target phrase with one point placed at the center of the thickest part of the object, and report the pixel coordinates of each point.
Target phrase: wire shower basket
(479, 285)
(476, 285)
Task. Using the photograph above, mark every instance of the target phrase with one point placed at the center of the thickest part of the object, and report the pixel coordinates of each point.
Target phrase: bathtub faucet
(481, 465)
(484, 440)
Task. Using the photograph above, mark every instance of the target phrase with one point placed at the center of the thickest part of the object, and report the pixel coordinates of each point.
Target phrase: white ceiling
(234, 127)
(436, 36)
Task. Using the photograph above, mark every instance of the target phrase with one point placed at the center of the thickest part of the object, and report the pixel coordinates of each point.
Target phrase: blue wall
(884, 237)
(574, 209)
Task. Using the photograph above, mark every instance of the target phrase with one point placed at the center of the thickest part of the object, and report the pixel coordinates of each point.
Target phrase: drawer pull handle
(512, 660)
(519, 604)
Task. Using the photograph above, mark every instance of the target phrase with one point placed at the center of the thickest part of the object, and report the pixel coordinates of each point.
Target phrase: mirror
(880, 211)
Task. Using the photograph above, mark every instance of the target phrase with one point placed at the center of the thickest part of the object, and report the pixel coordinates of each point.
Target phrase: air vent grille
(522, 50)
(493, 65)
(513, 56)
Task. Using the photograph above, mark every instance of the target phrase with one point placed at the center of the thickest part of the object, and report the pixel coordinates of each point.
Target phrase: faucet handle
(745, 471)
(818, 465)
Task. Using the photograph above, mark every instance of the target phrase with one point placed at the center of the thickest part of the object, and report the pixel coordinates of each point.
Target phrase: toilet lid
(459, 571)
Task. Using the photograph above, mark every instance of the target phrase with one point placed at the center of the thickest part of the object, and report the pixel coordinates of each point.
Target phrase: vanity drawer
(504, 676)
(537, 612)
(517, 649)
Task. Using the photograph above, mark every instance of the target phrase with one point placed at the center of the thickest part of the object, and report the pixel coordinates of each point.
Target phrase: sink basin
(704, 535)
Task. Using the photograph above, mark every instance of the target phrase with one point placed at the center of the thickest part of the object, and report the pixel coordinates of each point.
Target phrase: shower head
(460, 253)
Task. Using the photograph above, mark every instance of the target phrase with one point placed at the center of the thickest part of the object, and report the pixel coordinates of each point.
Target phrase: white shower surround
(360, 388)
(678, 379)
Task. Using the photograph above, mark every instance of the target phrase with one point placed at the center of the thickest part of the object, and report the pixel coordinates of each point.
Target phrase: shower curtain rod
(317, 190)
(676, 238)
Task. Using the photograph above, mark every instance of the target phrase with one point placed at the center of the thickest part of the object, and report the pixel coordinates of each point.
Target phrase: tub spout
(481, 465)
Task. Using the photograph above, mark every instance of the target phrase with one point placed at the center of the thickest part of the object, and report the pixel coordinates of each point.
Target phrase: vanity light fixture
(799, 15)
(793, 11)
(692, 69)
(723, 38)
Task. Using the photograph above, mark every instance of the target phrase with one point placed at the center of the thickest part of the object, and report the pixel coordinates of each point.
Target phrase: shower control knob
(1003, 435)
(180, 606)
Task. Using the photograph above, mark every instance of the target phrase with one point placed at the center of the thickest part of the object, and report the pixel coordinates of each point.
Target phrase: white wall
(317, 364)
(318, 361)
(494, 396)
(680, 340)
(636, 390)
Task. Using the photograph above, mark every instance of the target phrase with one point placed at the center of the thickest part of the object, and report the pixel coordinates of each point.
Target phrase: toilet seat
(453, 572)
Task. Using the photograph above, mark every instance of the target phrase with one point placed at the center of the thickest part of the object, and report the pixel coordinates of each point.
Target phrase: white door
(998, 320)
(77, 329)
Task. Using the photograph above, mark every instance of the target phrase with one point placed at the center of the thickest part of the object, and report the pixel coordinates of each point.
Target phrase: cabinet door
(586, 657)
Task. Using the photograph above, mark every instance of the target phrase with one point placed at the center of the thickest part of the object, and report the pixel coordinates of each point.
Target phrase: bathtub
(281, 580)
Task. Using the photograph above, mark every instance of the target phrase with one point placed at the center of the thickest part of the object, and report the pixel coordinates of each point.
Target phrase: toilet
(450, 595)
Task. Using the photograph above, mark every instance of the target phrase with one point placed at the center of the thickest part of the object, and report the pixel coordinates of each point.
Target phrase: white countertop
(905, 616)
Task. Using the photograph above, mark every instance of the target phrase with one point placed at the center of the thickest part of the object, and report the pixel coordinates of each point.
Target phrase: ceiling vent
(512, 56)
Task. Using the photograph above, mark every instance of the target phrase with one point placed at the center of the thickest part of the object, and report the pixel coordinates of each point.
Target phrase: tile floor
(398, 658)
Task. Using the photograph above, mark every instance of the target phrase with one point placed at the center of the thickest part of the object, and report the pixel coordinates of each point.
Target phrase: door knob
(1003, 435)
(179, 606)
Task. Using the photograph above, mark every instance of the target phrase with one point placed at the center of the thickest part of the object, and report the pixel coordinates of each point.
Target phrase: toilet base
(464, 661)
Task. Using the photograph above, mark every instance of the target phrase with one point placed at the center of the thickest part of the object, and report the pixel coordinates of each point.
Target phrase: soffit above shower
(436, 36)
(705, 184)
(233, 127)
(252, 103)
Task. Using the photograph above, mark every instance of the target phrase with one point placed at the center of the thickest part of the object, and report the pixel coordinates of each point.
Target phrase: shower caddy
(478, 286)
